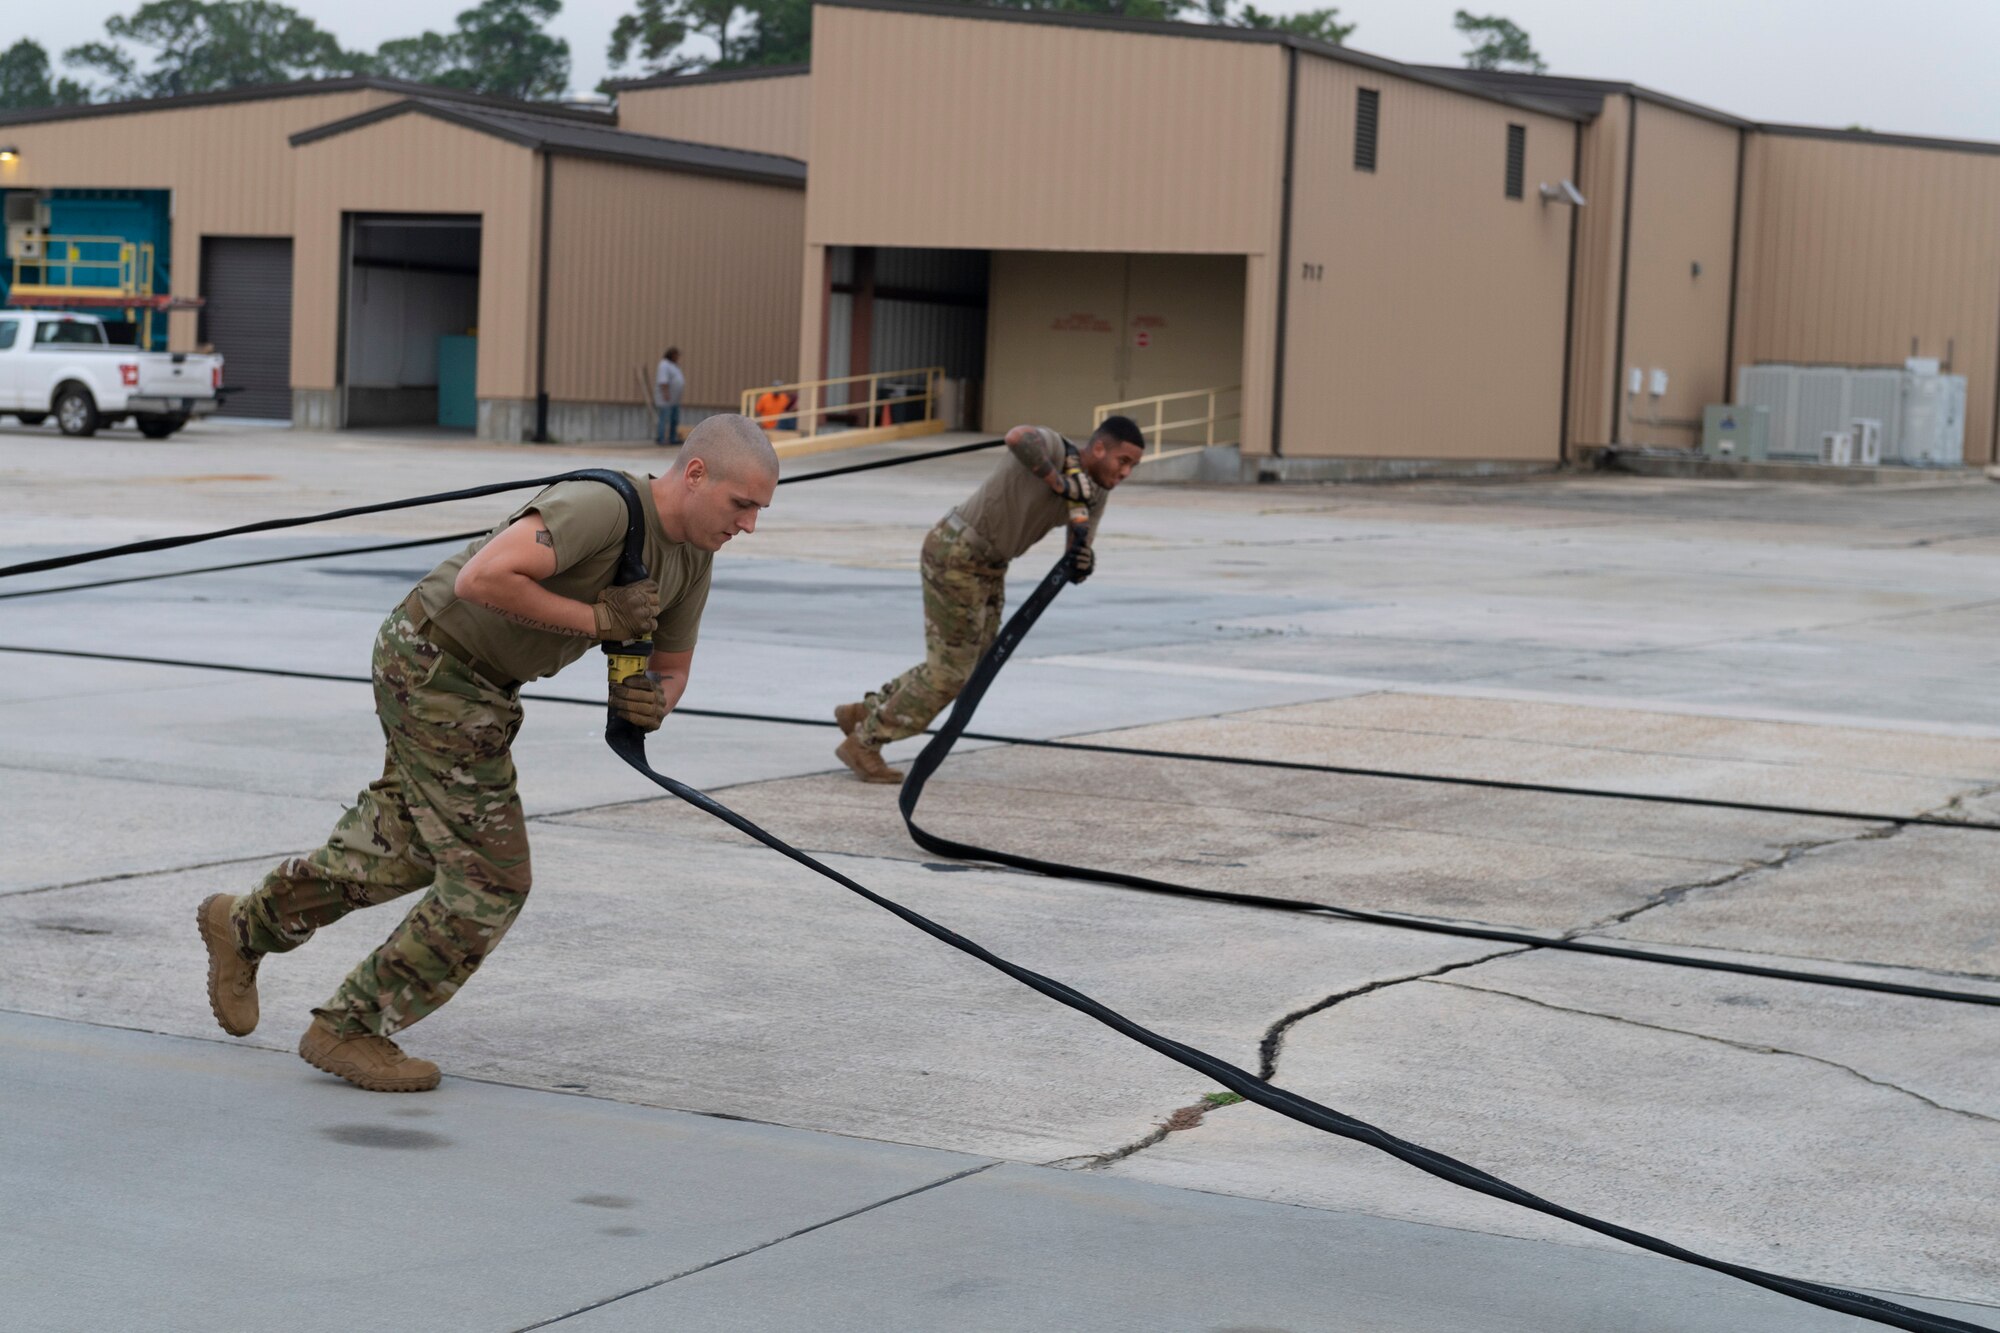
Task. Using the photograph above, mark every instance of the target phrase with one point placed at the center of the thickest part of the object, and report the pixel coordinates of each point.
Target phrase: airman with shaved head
(519, 604)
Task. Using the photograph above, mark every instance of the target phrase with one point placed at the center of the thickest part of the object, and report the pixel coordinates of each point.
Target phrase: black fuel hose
(385, 506)
(1267, 902)
(629, 744)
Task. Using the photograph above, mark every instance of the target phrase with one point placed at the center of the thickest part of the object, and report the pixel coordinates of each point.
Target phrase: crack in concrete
(1790, 852)
(1755, 1048)
(1957, 804)
(1187, 1117)
(1677, 893)
(1274, 1036)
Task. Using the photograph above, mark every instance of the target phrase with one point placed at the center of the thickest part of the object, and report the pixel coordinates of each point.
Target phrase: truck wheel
(76, 411)
(32, 418)
(158, 428)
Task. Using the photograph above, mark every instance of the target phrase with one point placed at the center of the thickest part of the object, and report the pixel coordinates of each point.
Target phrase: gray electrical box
(1741, 434)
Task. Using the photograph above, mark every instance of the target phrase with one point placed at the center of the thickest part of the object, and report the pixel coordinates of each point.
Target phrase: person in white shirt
(668, 381)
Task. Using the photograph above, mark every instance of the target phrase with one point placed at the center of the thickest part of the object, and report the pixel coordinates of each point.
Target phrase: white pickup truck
(64, 365)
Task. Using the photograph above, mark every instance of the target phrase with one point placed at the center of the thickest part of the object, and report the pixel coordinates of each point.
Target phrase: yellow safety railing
(92, 270)
(813, 401)
(107, 266)
(1214, 401)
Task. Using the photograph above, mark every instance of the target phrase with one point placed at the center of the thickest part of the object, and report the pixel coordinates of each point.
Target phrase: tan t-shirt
(586, 519)
(1013, 509)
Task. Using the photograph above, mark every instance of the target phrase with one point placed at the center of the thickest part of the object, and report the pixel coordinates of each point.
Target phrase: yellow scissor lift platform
(92, 273)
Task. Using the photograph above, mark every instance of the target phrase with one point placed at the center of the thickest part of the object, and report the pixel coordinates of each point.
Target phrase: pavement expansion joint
(257, 859)
(1754, 1048)
(764, 1245)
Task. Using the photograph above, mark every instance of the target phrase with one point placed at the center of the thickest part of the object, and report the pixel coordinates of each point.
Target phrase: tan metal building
(1712, 243)
(1080, 210)
(355, 223)
(1386, 265)
(1074, 210)
(765, 110)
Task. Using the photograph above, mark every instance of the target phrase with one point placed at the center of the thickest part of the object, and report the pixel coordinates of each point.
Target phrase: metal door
(247, 282)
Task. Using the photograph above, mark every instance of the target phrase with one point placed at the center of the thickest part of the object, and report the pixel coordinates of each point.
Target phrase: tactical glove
(1078, 488)
(638, 699)
(1082, 561)
(627, 613)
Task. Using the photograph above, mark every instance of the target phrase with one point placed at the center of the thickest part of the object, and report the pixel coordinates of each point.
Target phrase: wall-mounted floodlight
(9, 154)
(1565, 193)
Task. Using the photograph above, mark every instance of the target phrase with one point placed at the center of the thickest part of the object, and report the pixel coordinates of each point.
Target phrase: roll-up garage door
(247, 283)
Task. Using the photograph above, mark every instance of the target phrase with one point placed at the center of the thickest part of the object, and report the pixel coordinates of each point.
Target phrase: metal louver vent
(1517, 159)
(1367, 117)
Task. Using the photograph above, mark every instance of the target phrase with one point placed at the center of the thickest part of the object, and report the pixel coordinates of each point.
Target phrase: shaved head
(730, 447)
(724, 477)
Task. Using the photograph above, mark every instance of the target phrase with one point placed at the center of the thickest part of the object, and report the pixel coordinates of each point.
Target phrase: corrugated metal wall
(1426, 308)
(1600, 232)
(229, 167)
(416, 164)
(640, 259)
(976, 143)
(1853, 249)
(772, 115)
(1683, 215)
(975, 134)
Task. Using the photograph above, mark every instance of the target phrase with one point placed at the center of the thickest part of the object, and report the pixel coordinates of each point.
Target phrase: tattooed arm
(504, 577)
(1036, 448)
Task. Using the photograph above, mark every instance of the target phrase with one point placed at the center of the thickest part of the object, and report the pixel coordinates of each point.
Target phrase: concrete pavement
(185, 1185)
(1759, 642)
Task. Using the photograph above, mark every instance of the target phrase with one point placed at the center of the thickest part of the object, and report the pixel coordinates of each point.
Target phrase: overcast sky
(1914, 66)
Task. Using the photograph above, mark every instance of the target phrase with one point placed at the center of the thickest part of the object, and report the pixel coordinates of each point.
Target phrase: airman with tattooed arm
(517, 605)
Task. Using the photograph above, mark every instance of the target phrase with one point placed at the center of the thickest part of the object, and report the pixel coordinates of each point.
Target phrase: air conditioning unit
(27, 220)
(1932, 431)
(1877, 395)
(1836, 448)
(1823, 409)
(1921, 415)
(1776, 390)
(1866, 433)
(1736, 434)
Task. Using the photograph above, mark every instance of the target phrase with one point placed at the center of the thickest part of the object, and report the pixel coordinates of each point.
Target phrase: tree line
(169, 48)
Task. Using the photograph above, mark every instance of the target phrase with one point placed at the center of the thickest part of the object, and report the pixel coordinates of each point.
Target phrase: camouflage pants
(443, 816)
(965, 590)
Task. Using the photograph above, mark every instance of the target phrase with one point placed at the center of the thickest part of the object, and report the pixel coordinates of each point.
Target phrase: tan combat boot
(849, 716)
(866, 761)
(365, 1060)
(232, 979)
